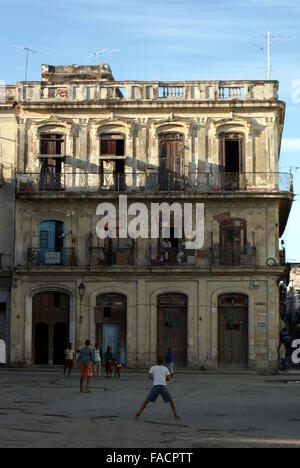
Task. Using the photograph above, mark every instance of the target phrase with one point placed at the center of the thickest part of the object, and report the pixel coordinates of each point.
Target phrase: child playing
(159, 374)
(117, 368)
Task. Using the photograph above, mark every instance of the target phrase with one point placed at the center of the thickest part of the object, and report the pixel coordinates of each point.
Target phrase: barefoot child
(159, 374)
(86, 365)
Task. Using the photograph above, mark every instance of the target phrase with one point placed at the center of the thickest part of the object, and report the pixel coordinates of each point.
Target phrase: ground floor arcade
(210, 322)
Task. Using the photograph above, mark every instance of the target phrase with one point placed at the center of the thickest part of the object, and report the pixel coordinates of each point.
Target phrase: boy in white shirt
(159, 374)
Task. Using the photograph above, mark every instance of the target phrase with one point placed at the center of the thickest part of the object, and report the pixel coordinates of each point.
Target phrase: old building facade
(84, 139)
(7, 203)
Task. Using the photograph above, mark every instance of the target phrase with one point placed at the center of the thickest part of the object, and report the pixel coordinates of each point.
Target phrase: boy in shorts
(86, 361)
(159, 374)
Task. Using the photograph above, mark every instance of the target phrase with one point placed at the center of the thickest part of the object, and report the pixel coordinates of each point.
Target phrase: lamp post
(81, 290)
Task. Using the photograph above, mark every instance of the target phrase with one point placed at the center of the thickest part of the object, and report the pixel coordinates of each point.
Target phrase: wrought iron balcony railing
(234, 256)
(155, 182)
(51, 257)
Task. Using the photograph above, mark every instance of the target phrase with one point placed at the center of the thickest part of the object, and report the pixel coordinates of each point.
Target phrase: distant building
(84, 138)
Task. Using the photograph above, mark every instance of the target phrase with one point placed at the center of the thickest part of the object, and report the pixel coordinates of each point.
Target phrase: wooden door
(50, 309)
(233, 331)
(172, 326)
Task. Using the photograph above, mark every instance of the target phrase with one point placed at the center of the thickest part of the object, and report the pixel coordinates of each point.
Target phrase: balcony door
(171, 148)
(233, 241)
(231, 160)
(112, 164)
(52, 159)
(51, 242)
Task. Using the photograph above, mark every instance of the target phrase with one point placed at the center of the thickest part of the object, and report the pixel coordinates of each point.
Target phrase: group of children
(90, 360)
(111, 364)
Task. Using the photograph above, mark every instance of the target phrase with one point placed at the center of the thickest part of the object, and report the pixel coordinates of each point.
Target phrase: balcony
(51, 257)
(154, 182)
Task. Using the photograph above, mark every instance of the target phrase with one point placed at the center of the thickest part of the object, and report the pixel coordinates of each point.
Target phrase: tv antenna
(269, 40)
(27, 52)
(98, 54)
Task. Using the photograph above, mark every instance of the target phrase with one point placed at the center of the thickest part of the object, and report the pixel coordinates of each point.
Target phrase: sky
(167, 40)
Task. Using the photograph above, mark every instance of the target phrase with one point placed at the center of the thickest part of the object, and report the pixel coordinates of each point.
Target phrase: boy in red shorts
(86, 362)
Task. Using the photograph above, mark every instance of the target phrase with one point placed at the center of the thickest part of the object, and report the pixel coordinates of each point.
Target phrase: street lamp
(81, 289)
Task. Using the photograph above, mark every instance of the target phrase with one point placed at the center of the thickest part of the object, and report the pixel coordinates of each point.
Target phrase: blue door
(51, 242)
(111, 336)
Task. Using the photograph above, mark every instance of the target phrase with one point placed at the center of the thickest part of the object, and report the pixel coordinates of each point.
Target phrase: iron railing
(234, 256)
(99, 257)
(51, 257)
(153, 182)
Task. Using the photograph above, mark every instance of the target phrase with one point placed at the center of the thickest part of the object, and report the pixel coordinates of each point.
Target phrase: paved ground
(42, 409)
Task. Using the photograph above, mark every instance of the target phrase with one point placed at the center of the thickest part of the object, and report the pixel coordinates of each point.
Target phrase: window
(74, 92)
(51, 144)
(52, 92)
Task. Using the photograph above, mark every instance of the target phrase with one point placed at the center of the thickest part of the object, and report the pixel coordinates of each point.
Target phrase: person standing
(86, 362)
(108, 358)
(69, 359)
(159, 374)
(97, 360)
(169, 359)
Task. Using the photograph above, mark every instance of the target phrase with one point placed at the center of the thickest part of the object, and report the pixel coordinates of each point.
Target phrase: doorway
(50, 327)
(231, 159)
(172, 316)
(51, 242)
(111, 324)
(112, 164)
(171, 150)
(233, 341)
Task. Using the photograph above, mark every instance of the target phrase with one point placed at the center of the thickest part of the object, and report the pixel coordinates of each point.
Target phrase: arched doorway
(111, 324)
(50, 327)
(172, 312)
(233, 335)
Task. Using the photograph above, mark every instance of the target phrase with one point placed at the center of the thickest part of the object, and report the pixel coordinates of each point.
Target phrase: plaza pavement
(40, 408)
